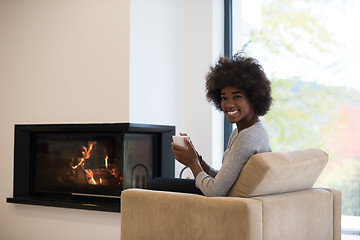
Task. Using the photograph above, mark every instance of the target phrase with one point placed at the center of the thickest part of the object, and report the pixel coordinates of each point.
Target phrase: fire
(90, 177)
(87, 151)
(82, 160)
(106, 161)
(94, 176)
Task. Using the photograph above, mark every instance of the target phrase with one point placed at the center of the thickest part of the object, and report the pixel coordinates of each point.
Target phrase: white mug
(179, 140)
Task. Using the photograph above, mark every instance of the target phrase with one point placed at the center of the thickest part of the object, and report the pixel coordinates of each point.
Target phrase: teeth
(233, 112)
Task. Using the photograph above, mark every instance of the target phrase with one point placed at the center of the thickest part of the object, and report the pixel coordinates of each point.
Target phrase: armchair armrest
(147, 214)
(337, 212)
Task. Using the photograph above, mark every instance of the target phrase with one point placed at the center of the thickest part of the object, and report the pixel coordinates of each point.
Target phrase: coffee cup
(179, 140)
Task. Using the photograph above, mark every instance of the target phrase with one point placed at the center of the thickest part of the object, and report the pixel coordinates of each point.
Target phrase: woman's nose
(229, 103)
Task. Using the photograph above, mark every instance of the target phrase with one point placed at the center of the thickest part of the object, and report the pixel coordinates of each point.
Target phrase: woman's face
(237, 107)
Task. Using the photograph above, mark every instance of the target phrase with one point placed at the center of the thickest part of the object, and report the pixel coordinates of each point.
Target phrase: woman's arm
(247, 143)
(204, 164)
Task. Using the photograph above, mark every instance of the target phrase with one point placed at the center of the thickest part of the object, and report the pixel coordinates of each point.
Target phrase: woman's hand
(197, 154)
(187, 156)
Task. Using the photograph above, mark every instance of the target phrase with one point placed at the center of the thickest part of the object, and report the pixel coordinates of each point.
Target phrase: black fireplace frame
(24, 163)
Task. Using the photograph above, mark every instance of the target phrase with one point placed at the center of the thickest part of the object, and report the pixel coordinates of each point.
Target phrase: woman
(240, 88)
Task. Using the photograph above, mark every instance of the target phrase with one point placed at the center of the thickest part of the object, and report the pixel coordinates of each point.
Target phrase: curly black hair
(244, 73)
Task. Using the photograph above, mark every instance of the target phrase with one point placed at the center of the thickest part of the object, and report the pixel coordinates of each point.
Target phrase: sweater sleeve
(247, 143)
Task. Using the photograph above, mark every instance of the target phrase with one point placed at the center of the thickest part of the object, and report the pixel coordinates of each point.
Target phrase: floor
(350, 227)
(350, 237)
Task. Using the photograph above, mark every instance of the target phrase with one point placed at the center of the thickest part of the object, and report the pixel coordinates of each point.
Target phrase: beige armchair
(273, 198)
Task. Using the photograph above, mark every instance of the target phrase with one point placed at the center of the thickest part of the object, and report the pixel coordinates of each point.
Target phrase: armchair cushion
(271, 173)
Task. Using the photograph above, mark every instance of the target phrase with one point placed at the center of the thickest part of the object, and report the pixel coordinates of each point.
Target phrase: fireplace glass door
(78, 164)
(139, 154)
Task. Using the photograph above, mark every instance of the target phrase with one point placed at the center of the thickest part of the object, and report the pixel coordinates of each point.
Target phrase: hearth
(86, 166)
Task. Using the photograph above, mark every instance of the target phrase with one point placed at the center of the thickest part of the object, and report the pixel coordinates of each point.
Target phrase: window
(310, 54)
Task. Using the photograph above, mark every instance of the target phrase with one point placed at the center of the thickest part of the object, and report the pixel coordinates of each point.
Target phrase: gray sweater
(240, 148)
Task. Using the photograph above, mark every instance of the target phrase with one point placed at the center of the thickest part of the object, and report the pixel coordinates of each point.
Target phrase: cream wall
(61, 61)
(101, 61)
(65, 61)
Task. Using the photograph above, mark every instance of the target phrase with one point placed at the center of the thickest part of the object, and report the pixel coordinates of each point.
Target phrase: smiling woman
(240, 88)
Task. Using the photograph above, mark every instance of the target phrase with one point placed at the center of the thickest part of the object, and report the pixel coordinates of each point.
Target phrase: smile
(232, 113)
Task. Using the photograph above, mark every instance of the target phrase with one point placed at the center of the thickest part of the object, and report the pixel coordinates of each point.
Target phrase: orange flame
(79, 163)
(90, 177)
(87, 151)
(82, 160)
(106, 161)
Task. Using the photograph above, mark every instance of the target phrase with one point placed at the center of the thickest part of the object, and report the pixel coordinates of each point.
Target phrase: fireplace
(87, 166)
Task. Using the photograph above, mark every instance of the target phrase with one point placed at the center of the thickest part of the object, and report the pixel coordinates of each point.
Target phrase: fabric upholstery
(337, 212)
(313, 214)
(270, 173)
(147, 214)
(285, 205)
(298, 215)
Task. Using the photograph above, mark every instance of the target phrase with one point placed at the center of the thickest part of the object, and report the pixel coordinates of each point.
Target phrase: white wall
(156, 61)
(172, 45)
(101, 61)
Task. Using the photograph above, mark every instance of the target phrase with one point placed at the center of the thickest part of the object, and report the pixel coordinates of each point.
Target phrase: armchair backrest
(272, 173)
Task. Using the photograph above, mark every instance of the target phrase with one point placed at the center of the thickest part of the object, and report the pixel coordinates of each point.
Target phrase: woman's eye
(237, 97)
(223, 99)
